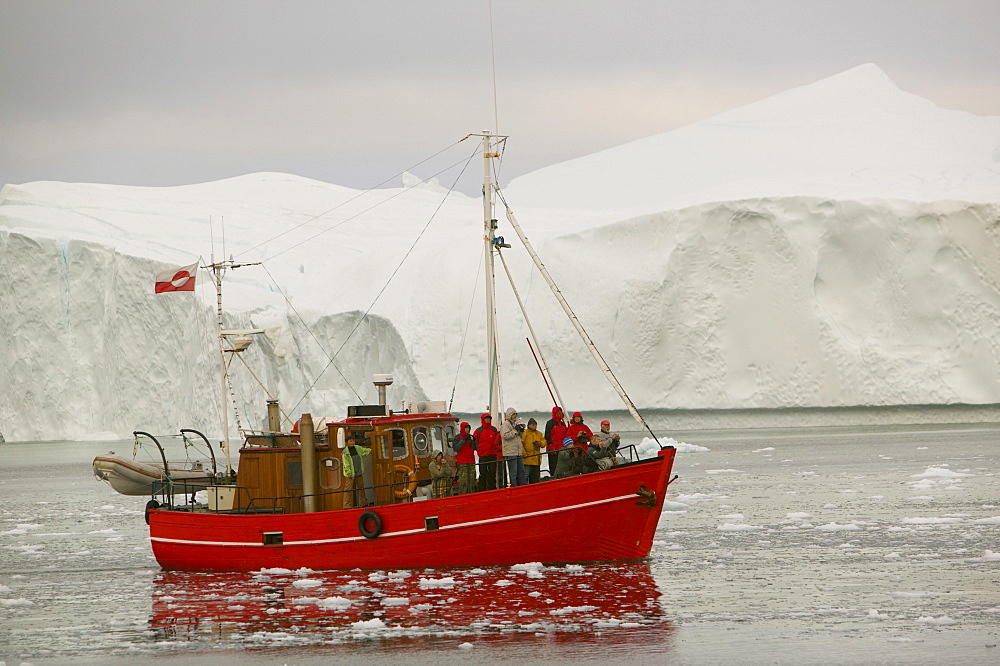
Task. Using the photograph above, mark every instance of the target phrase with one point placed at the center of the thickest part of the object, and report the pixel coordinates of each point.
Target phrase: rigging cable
(493, 64)
(393, 275)
(357, 196)
(313, 335)
(465, 333)
(360, 213)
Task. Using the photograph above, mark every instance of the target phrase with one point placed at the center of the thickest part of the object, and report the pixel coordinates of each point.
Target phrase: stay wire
(357, 196)
(465, 332)
(312, 335)
(360, 213)
(391, 277)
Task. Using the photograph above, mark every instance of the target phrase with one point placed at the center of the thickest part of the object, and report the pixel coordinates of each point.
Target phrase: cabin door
(389, 457)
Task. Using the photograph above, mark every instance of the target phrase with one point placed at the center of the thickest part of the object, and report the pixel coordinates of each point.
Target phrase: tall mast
(217, 270)
(489, 226)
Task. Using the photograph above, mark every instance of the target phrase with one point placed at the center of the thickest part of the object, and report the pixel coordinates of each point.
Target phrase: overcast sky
(165, 93)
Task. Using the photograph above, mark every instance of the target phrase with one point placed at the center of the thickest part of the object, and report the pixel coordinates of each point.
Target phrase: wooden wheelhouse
(270, 475)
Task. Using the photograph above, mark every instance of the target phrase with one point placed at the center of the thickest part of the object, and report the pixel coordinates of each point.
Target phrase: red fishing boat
(289, 504)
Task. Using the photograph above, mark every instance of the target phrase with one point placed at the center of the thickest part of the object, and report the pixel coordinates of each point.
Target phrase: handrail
(166, 470)
(210, 451)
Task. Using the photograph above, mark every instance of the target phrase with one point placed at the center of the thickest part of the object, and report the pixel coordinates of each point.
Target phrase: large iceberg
(835, 245)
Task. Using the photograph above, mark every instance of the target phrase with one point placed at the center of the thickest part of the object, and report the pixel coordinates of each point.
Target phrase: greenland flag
(176, 279)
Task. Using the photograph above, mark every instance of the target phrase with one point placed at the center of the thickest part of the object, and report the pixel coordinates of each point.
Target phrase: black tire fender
(150, 505)
(364, 519)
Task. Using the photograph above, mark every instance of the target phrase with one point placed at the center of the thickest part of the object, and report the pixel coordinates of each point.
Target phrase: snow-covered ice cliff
(835, 245)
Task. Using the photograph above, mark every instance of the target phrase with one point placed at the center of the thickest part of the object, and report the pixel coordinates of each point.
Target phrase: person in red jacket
(465, 447)
(488, 439)
(555, 433)
(578, 426)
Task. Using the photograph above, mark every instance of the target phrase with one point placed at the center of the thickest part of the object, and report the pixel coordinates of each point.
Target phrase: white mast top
(489, 226)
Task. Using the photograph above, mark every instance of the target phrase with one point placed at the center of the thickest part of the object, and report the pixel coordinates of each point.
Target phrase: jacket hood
(464, 425)
(482, 419)
(510, 412)
(555, 411)
(576, 414)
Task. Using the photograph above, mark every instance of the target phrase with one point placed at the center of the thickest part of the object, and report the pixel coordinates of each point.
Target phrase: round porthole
(421, 444)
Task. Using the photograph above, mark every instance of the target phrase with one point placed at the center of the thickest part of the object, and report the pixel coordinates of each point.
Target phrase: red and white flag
(176, 279)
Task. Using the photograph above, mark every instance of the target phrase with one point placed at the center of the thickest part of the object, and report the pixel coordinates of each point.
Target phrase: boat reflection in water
(615, 605)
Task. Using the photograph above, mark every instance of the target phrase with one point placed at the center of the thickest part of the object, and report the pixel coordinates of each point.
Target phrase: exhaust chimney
(273, 416)
(381, 381)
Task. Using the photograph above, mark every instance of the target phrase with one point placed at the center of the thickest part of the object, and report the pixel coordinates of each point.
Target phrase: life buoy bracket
(150, 505)
(411, 487)
(363, 524)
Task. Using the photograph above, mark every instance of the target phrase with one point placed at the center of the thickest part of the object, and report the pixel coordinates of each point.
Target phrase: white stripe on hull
(472, 523)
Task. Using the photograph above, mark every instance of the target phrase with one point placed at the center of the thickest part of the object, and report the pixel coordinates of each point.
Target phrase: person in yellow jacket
(532, 442)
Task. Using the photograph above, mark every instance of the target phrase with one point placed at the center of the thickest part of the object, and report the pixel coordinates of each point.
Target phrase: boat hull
(608, 515)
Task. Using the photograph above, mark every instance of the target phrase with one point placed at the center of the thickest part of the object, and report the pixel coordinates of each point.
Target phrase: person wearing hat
(555, 433)
(510, 437)
(567, 459)
(576, 427)
(606, 434)
(531, 448)
(441, 474)
(488, 439)
(465, 447)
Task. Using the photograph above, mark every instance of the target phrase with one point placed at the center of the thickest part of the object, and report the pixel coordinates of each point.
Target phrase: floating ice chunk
(394, 601)
(399, 575)
(276, 570)
(465, 646)
(696, 497)
(742, 527)
(420, 608)
(528, 566)
(891, 556)
(306, 583)
(572, 609)
(798, 516)
(534, 594)
(648, 447)
(874, 614)
(912, 595)
(993, 520)
(724, 471)
(374, 623)
(110, 530)
(937, 621)
(574, 567)
(503, 583)
(941, 472)
(376, 576)
(769, 448)
(830, 506)
(931, 521)
(629, 625)
(13, 603)
(734, 517)
(429, 583)
(837, 527)
(334, 602)
(476, 572)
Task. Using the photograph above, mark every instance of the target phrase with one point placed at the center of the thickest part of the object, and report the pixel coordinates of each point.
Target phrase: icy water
(833, 545)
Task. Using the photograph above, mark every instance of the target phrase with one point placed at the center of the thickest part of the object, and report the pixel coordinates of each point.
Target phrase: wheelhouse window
(437, 441)
(421, 441)
(399, 448)
(450, 434)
